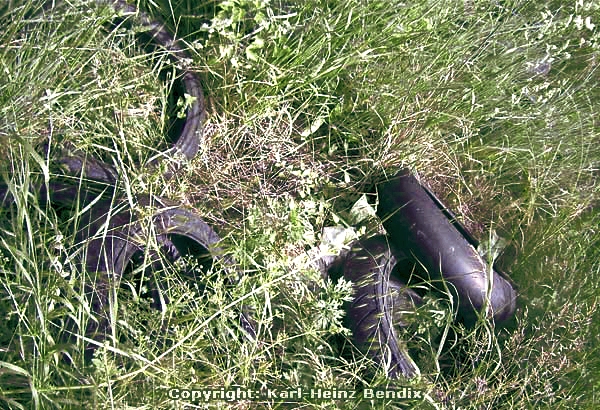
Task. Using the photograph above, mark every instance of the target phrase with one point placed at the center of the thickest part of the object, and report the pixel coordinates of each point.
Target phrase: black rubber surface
(416, 224)
(379, 300)
(187, 145)
(415, 220)
(113, 234)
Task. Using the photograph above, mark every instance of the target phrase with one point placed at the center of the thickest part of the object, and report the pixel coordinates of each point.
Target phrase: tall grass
(494, 104)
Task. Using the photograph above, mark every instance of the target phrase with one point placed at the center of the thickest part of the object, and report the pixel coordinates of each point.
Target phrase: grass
(495, 104)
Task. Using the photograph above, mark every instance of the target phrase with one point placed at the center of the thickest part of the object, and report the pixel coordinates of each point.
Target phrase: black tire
(176, 230)
(417, 225)
(113, 235)
(376, 310)
(188, 141)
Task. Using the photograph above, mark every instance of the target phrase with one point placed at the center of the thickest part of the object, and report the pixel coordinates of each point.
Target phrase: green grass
(494, 104)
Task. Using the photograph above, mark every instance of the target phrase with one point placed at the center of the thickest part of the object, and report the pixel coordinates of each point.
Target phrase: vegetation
(494, 103)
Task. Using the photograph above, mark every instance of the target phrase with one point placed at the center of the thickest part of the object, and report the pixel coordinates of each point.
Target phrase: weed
(494, 104)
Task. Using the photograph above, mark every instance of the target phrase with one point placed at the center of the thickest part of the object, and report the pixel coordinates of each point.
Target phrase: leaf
(491, 248)
(11, 368)
(361, 210)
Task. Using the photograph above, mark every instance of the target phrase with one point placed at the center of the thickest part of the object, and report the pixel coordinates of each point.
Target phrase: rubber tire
(417, 225)
(117, 235)
(379, 299)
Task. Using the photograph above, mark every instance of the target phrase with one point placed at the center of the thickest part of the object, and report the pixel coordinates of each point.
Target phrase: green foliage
(495, 104)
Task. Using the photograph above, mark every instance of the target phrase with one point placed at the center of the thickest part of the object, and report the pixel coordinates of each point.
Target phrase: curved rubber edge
(113, 234)
(370, 315)
(415, 223)
(188, 143)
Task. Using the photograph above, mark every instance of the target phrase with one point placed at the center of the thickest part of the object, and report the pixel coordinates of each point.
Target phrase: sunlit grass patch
(494, 104)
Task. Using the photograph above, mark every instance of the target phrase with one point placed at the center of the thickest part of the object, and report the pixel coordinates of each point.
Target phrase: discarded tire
(417, 225)
(379, 300)
(415, 221)
(113, 235)
(188, 141)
